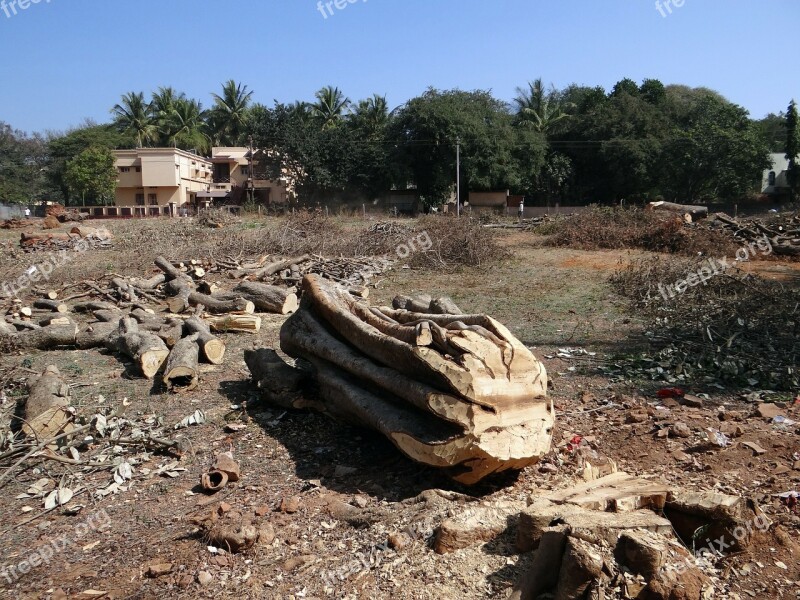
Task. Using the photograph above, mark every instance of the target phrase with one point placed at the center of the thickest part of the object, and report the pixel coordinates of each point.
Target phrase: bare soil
(551, 298)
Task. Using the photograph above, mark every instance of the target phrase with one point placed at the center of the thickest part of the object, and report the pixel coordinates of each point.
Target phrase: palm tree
(229, 114)
(330, 106)
(540, 108)
(186, 126)
(372, 113)
(162, 106)
(133, 115)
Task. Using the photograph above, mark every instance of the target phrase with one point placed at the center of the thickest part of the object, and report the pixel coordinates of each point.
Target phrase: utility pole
(458, 176)
(251, 174)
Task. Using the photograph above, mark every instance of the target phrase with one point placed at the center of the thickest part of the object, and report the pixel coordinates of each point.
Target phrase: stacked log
(458, 392)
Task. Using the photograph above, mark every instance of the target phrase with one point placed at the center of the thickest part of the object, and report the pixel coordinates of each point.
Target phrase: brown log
(52, 305)
(146, 349)
(150, 284)
(420, 303)
(55, 321)
(170, 330)
(96, 335)
(693, 210)
(212, 349)
(279, 383)
(46, 412)
(275, 267)
(47, 338)
(82, 307)
(242, 323)
(268, 298)
(109, 315)
(85, 232)
(215, 304)
(444, 306)
(181, 371)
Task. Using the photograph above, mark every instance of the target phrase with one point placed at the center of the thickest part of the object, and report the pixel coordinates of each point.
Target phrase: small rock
(681, 430)
(731, 429)
(266, 534)
(290, 505)
(768, 410)
(681, 456)
(223, 508)
(298, 561)
(548, 468)
(637, 416)
(754, 447)
(159, 569)
(398, 541)
(693, 401)
(185, 581)
(204, 578)
(262, 511)
(361, 501)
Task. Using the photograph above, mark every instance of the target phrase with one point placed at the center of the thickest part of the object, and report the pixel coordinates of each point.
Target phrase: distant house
(236, 173)
(159, 181)
(775, 182)
(489, 200)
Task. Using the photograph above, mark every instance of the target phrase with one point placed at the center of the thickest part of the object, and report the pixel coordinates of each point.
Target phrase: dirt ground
(297, 465)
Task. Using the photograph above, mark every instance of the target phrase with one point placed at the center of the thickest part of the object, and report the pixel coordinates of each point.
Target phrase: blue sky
(66, 60)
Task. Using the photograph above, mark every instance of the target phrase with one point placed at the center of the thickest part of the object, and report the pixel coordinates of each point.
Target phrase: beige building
(236, 173)
(159, 181)
(163, 181)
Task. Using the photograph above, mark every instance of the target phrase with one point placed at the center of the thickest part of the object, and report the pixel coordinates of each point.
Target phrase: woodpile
(50, 242)
(783, 236)
(453, 391)
(14, 224)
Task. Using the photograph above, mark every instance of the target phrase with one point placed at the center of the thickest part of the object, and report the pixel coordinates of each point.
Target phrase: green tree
(495, 154)
(229, 116)
(186, 126)
(653, 91)
(92, 175)
(330, 106)
(61, 148)
(23, 165)
(792, 149)
(773, 131)
(714, 151)
(162, 106)
(134, 116)
(540, 108)
(625, 86)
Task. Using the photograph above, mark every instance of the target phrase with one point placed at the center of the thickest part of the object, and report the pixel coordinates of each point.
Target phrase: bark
(243, 323)
(279, 383)
(146, 349)
(47, 338)
(418, 304)
(275, 267)
(444, 306)
(212, 349)
(268, 298)
(109, 316)
(51, 305)
(96, 335)
(181, 372)
(214, 304)
(45, 413)
(695, 211)
(83, 307)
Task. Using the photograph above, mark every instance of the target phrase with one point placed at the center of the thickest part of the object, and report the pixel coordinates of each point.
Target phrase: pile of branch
(14, 224)
(453, 391)
(49, 242)
(784, 237)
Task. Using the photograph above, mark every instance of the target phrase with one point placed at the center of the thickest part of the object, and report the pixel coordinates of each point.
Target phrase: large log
(46, 412)
(268, 298)
(181, 371)
(47, 338)
(215, 304)
(51, 305)
(693, 210)
(96, 335)
(146, 349)
(477, 409)
(212, 349)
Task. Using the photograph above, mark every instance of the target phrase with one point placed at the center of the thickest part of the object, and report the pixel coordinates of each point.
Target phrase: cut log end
(150, 362)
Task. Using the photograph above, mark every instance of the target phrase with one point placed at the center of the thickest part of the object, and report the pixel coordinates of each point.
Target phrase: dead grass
(614, 228)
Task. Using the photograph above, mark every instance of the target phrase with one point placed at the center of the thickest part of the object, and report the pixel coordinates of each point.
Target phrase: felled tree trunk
(268, 298)
(214, 304)
(47, 338)
(473, 402)
(51, 305)
(694, 211)
(181, 372)
(46, 412)
(96, 335)
(212, 349)
(146, 349)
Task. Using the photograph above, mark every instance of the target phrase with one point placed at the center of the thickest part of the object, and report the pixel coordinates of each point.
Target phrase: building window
(124, 169)
(245, 170)
(139, 199)
(138, 169)
(152, 199)
(771, 178)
